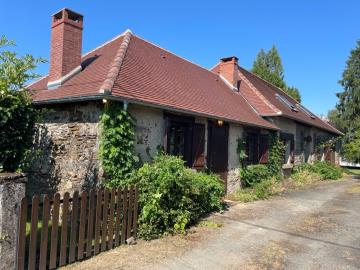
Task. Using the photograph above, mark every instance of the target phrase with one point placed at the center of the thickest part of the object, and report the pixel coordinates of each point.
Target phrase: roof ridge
(269, 83)
(114, 70)
(178, 56)
(257, 92)
(105, 43)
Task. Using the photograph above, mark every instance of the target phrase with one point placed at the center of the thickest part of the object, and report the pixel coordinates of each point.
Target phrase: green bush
(325, 169)
(173, 196)
(254, 174)
(260, 191)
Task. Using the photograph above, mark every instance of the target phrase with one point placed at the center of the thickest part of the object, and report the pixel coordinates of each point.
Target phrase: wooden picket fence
(59, 231)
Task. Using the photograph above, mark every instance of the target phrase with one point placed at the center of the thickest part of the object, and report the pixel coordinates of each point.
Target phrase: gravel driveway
(316, 228)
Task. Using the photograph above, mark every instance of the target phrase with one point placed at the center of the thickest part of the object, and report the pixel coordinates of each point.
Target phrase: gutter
(137, 102)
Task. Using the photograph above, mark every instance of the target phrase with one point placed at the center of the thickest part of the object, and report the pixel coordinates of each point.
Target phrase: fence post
(12, 190)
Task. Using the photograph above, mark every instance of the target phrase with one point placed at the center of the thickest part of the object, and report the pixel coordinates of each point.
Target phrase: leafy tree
(17, 115)
(293, 92)
(348, 106)
(268, 66)
(334, 117)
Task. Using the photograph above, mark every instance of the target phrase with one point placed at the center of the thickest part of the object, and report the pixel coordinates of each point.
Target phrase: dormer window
(306, 111)
(238, 84)
(286, 102)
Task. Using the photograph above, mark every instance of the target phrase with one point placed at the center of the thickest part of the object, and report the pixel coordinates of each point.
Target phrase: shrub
(254, 174)
(305, 177)
(325, 169)
(17, 120)
(260, 191)
(173, 196)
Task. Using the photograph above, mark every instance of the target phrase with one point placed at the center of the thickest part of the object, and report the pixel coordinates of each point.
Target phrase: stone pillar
(12, 190)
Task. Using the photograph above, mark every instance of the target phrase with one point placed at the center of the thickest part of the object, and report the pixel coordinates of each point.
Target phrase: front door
(217, 153)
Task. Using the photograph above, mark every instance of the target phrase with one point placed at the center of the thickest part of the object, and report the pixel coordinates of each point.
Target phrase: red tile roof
(263, 97)
(139, 71)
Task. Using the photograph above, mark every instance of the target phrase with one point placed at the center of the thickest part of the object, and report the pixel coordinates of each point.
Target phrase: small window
(238, 84)
(286, 102)
(257, 148)
(306, 111)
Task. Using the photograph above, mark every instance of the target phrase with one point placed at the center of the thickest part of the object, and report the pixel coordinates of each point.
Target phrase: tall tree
(268, 66)
(17, 115)
(348, 105)
(334, 117)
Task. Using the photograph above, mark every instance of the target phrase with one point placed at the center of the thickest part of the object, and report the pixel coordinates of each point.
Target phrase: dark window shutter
(263, 148)
(292, 149)
(198, 146)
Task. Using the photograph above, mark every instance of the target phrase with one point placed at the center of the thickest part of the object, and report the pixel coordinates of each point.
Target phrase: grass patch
(303, 175)
(354, 189)
(209, 224)
(305, 178)
(352, 171)
(259, 191)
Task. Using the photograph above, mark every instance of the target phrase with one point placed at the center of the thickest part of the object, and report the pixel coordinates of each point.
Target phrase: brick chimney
(66, 42)
(228, 69)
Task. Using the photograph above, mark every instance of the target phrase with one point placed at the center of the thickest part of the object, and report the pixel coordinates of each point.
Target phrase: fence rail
(57, 231)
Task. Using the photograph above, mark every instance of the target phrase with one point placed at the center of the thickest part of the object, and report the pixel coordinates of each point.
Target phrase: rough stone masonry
(66, 153)
(12, 190)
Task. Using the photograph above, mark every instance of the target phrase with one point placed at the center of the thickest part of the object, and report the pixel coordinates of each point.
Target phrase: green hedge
(254, 174)
(173, 196)
(325, 169)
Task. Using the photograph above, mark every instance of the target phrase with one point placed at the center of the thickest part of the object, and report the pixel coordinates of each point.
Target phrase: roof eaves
(175, 109)
(114, 70)
(70, 99)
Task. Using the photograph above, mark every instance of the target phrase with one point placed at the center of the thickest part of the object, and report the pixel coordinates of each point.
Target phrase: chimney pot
(228, 68)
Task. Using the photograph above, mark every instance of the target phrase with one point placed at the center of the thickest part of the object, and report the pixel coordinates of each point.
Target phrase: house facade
(178, 106)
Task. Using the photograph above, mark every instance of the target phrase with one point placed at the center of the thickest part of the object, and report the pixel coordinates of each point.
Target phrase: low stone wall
(12, 190)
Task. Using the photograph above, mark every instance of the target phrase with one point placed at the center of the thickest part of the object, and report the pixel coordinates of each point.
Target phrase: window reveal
(257, 148)
(186, 139)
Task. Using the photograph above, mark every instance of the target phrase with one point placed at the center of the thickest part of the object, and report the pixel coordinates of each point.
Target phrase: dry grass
(354, 189)
(314, 223)
(272, 255)
(148, 253)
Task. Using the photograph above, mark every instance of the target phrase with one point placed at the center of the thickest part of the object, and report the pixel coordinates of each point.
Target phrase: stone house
(300, 129)
(188, 110)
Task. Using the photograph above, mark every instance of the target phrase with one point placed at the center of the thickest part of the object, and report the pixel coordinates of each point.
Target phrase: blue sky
(314, 37)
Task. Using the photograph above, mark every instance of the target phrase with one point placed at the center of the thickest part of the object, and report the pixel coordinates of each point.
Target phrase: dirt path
(317, 228)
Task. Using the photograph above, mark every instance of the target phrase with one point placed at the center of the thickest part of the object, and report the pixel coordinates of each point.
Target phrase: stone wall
(65, 157)
(12, 190)
(233, 177)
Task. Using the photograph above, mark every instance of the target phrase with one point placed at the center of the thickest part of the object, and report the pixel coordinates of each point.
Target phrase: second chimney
(66, 43)
(228, 68)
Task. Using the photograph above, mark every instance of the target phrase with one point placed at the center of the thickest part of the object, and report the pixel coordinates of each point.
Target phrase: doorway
(217, 154)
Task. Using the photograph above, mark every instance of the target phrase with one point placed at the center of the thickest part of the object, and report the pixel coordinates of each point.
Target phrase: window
(186, 139)
(306, 111)
(286, 102)
(257, 148)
